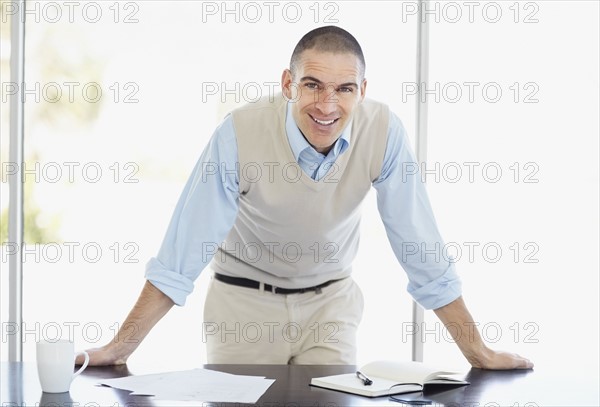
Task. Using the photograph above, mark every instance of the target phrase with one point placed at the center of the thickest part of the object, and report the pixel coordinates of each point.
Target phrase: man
(274, 202)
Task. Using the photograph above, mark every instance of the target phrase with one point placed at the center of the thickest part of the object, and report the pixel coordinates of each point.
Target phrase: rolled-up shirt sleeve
(410, 225)
(204, 214)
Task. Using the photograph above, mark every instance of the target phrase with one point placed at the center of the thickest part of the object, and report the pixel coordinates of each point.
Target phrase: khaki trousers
(250, 326)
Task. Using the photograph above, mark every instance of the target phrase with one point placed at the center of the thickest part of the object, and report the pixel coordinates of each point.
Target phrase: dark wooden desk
(20, 387)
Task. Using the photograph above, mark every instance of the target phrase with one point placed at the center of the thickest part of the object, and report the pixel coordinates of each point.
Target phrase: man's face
(325, 89)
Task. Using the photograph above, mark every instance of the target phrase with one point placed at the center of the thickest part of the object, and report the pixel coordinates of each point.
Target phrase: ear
(363, 89)
(286, 84)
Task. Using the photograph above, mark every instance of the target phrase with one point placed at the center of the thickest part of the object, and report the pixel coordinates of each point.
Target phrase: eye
(311, 85)
(345, 89)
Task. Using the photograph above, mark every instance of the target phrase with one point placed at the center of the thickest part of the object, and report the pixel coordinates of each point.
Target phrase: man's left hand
(470, 343)
(500, 360)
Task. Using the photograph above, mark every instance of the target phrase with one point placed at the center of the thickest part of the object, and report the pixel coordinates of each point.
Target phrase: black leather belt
(245, 282)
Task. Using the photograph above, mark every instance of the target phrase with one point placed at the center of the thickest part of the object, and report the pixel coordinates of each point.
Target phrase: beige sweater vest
(292, 231)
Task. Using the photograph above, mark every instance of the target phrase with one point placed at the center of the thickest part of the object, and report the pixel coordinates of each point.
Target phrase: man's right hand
(150, 307)
(105, 356)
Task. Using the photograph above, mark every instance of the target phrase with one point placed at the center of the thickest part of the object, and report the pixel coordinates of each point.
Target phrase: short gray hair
(328, 39)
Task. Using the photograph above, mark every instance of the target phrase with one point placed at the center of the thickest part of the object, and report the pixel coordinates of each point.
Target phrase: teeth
(324, 123)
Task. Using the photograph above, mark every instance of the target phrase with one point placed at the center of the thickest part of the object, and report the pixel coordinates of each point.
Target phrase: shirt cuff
(439, 292)
(174, 285)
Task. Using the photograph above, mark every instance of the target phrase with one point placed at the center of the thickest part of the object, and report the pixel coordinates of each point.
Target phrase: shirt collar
(299, 144)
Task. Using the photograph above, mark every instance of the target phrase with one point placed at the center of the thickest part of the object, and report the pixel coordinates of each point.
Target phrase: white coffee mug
(55, 362)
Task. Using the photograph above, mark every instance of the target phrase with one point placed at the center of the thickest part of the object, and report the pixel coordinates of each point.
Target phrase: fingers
(512, 361)
(93, 357)
(79, 359)
(100, 357)
(523, 363)
(506, 361)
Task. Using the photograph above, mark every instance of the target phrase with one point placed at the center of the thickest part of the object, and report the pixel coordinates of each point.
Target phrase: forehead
(329, 65)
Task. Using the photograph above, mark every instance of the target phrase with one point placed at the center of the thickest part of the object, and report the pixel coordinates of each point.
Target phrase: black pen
(366, 381)
(411, 402)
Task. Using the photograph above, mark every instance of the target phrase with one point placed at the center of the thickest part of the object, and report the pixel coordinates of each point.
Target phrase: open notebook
(388, 378)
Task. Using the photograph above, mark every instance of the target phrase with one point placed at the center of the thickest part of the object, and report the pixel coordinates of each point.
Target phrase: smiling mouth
(324, 122)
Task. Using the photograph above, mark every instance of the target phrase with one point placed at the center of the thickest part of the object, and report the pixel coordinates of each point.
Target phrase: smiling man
(326, 87)
(273, 204)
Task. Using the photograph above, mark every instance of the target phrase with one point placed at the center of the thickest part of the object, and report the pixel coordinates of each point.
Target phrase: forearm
(459, 322)
(150, 307)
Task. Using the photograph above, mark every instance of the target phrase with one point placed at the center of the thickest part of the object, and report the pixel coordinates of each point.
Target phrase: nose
(326, 102)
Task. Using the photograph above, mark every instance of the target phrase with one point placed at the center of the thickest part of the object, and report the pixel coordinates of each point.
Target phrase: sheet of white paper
(195, 385)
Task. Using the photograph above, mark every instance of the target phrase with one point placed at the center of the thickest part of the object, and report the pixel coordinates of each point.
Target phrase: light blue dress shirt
(208, 206)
